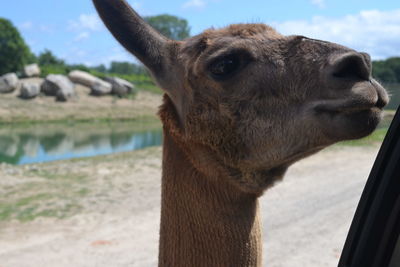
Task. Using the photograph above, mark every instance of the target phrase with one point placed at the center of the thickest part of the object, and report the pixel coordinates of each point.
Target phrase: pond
(25, 144)
(22, 144)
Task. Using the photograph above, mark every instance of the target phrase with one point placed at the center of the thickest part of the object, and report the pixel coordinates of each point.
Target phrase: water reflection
(43, 143)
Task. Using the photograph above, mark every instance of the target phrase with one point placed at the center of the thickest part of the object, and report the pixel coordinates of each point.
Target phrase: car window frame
(375, 228)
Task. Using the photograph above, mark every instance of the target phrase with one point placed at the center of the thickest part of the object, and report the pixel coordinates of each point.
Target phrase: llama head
(248, 101)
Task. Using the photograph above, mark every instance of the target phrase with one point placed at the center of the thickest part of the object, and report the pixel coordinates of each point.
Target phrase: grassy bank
(23, 122)
(85, 108)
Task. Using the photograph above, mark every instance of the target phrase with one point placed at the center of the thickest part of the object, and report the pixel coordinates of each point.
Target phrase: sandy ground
(84, 107)
(104, 211)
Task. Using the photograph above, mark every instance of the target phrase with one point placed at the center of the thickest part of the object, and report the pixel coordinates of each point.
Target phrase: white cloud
(27, 25)
(373, 31)
(82, 36)
(89, 22)
(30, 26)
(198, 4)
(319, 3)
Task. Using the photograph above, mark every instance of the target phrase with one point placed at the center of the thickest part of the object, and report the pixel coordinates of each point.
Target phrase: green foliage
(53, 69)
(100, 68)
(78, 67)
(11, 42)
(394, 92)
(387, 71)
(14, 53)
(47, 58)
(394, 64)
(126, 68)
(172, 27)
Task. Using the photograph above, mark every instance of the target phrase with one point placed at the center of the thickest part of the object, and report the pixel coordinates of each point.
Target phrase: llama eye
(225, 66)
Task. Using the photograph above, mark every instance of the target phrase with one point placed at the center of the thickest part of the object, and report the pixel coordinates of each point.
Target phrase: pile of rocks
(99, 87)
(61, 86)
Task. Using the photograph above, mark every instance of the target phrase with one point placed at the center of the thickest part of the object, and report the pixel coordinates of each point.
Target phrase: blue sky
(73, 31)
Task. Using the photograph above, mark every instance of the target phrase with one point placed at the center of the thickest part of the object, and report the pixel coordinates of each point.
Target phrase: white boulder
(98, 86)
(8, 83)
(29, 90)
(59, 86)
(32, 70)
(120, 86)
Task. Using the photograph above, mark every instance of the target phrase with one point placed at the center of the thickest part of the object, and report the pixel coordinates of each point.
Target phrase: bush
(14, 53)
(53, 69)
(387, 71)
(172, 27)
(47, 58)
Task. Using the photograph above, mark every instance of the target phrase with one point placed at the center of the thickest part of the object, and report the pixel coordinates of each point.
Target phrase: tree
(394, 64)
(387, 71)
(172, 27)
(14, 53)
(47, 58)
(100, 68)
(126, 68)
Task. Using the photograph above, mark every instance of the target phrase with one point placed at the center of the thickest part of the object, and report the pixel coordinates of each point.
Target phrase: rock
(98, 86)
(63, 95)
(82, 77)
(8, 83)
(29, 90)
(32, 70)
(59, 86)
(120, 86)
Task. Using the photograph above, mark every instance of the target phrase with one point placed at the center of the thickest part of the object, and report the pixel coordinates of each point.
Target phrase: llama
(241, 104)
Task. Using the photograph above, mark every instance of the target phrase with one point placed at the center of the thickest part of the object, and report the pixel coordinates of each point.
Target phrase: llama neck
(204, 222)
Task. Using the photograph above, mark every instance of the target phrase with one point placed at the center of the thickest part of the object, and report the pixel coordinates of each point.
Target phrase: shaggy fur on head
(241, 105)
(261, 120)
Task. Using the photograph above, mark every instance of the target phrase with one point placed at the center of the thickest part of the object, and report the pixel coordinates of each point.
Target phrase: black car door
(373, 239)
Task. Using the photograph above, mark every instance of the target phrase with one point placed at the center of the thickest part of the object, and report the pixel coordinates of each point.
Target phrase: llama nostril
(352, 66)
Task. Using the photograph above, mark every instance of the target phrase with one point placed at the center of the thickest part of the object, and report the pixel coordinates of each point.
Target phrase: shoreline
(68, 120)
(84, 108)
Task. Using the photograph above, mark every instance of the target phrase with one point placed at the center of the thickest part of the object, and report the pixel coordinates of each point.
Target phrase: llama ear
(134, 33)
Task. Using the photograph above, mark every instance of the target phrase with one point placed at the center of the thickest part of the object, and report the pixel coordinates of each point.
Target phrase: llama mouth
(348, 120)
(369, 97)
(336, 107)
(348, 110)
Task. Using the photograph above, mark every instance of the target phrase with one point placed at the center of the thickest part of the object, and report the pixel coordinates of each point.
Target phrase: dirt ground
(104, 211)
(84, 107)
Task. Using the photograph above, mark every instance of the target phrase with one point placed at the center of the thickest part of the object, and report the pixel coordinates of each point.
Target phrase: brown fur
(227, 140)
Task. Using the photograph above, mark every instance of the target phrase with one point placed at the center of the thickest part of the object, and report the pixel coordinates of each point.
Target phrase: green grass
(58, 197)
(26, 121)
(99, 126)
(29, 208)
